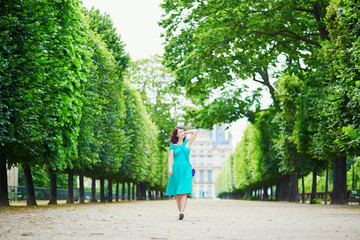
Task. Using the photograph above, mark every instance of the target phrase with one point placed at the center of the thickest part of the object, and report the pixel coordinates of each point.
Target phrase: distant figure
(180, 170)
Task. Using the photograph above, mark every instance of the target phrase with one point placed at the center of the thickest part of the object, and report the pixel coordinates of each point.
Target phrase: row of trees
(304, 53)
(65, 105)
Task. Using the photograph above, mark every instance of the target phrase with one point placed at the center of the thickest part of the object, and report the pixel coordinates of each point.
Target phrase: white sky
(137, 23)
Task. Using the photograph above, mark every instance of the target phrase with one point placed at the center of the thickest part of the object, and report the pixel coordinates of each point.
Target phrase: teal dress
(180, 181)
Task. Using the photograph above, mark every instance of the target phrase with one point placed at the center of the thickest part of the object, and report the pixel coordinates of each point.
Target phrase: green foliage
(62, 96)
(140, 160)
(102, 136)
(44, 60)
(22, 92)
(356, 175)
(212, 44)
(254, 162)
(64, 101)
(343, 52)
(102, 24)
(317, 201)
(162, 101)
(320, 182)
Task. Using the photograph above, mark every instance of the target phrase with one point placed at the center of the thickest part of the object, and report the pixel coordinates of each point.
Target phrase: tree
(211, 44)
(254, 164)
(22, 66)
(342, 112)
(68, 70)
(46, 63)
(102, 24)
(163, 103)
(140, 132)
(110, 60)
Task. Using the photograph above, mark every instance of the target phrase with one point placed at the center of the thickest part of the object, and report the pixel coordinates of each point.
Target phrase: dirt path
(204, 219)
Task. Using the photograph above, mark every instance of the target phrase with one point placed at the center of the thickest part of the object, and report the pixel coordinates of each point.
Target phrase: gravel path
(204, 219)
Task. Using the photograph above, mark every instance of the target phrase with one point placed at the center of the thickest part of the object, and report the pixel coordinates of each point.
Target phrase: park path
(204, 219)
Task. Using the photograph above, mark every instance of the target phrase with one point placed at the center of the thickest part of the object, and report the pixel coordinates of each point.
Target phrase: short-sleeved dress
(180, 181)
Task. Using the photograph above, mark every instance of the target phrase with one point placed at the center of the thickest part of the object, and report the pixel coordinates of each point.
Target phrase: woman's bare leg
(178, 202)
(183, 202)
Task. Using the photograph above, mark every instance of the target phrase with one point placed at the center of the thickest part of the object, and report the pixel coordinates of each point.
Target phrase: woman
(180, 170)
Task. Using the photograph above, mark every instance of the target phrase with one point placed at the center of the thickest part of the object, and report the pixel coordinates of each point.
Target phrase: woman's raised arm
(193, 136)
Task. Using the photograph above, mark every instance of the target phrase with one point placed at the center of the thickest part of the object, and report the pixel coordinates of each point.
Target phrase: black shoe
(181, 216)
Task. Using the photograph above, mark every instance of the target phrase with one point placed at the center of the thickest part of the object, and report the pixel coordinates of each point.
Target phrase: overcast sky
(137, 23)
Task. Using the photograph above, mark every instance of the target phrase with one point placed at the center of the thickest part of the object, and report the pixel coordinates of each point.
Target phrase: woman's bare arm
(192, 138)
(170, 161)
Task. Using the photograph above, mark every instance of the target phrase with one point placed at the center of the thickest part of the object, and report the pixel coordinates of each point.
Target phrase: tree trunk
(102, 189)
(137, 192)
(81, 187)
(327, 180)
(70, 199)
(303, 188)
(142, 191)
(129, 190)
(286, 188)
(123, 191)
(149, 194)
(156, 195)
(294, 187)
(133, 192)
(30, 191)
(109, 198)
(266, 195)
(283, 189)
(339, 195)
(117, 192)
(248, 194)
(93, 189)
(4, 195)
(313, 189)
(271, 192)
(161, 195)
(278, 190)
(53, 187)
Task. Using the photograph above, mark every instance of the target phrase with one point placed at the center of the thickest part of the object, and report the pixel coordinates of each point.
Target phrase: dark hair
(173, 138)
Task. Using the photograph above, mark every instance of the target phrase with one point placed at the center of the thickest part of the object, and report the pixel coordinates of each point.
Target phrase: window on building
(209, 176)
(209, 192)
(201, 192)
(201, 176)
(202, 160)
(209, 160)
(193, 159)
(223, 159)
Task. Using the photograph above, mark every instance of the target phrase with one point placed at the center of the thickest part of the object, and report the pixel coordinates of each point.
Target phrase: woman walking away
(180, 170)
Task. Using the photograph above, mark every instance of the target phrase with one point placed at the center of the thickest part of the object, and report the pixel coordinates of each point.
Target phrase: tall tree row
(303, 53)
(64, 103)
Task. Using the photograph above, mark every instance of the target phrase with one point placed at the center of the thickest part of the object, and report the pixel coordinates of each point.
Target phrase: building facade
(12, 177)
(208, 155)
